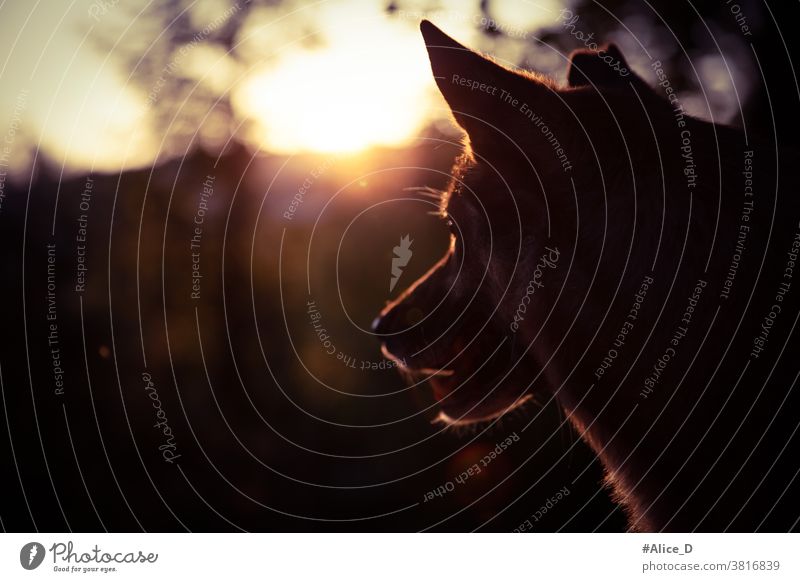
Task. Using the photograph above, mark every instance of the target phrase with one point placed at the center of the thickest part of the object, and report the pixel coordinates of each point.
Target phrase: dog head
(473, 325)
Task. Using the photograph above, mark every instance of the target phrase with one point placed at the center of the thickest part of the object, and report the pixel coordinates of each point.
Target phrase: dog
(630, 261)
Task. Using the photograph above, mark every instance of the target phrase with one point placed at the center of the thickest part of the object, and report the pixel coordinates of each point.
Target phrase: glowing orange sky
(366, 83)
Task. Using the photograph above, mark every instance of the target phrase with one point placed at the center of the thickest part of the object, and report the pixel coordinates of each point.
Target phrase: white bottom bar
(400, 557)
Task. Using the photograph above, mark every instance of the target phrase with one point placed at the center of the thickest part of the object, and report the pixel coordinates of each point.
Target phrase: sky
(60, 95)
(365, 81)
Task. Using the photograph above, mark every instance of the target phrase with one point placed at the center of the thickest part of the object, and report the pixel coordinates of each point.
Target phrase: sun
(340, 99)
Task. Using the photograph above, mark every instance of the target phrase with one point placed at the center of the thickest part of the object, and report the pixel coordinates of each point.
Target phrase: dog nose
(384, 324)
(396, 318)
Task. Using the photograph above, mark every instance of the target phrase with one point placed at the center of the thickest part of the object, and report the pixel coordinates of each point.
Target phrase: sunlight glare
(342, 98)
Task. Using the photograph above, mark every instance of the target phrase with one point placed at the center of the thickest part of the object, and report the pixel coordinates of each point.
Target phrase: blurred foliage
(200, 50)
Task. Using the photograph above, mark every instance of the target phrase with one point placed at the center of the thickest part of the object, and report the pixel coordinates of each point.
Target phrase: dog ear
(474, 86)
(605, 67)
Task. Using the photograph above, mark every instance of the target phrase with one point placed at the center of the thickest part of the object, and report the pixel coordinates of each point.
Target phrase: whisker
(412, 374)
(435, 372)
(426, 191)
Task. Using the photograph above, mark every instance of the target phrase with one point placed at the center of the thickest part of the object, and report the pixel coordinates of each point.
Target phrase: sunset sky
(338, 75)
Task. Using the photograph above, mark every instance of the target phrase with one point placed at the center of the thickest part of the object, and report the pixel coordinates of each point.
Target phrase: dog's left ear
(474, 87)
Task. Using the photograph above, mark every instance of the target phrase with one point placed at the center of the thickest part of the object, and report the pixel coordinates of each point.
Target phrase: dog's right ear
(605, 67)
(602, 68)
(473, 87)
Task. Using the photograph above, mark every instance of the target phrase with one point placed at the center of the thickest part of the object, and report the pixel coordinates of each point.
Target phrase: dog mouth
(459, 406)
(415, 373)
(465, 398)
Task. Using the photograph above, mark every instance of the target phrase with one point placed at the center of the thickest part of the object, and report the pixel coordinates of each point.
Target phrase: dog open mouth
(463, 411)
(465, 397)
